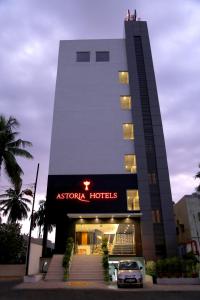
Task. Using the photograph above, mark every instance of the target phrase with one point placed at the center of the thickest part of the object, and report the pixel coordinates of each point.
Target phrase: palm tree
(14, 204)
(39, 218)
(11, 146)
(197, 176)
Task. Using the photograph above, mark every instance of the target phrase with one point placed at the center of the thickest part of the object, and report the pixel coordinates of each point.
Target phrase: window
(123, 77)
(130, 163)
(125, 102)
(152, 178)
(83, 56)
(156, 216)
(102, 56)
(128, 131)
(133, 202)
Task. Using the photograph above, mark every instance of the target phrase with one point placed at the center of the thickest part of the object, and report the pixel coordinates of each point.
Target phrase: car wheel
(141, 285)
(119, 285)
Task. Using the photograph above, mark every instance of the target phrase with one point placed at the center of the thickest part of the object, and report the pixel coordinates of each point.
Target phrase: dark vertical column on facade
(138, 241)
(150, 150)
(143, 89)
(148, 245)
(60, 240)
(65, 228)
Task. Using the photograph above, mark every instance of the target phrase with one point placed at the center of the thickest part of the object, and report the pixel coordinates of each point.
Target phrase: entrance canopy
(93, 216)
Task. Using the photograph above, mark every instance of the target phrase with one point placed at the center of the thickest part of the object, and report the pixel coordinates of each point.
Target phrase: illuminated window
(128, 131)
(130, 163)
(123, 77)
(156, 216)
(83, 56)
(125, 102)
(133, 202)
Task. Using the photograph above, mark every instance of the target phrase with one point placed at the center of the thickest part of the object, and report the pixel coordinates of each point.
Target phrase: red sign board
(86, 196)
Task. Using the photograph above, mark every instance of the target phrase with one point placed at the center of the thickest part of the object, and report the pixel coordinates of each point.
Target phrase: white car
(129, 273)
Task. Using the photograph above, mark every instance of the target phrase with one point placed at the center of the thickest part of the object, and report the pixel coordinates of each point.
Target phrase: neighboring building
(36, 253)
(187, 217)
(108, 174)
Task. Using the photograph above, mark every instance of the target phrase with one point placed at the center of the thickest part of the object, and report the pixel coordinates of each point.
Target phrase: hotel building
(108, 173)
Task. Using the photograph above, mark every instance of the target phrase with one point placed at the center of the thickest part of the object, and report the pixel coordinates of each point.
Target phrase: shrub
(151, 268)
(160, 267)
(67, 255)
(176, 267)
(12, 244)
(105, 259)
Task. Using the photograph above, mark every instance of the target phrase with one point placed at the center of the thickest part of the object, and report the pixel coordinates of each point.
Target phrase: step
(78, 271)
(85, 278)
(54, 275)
(58, 277)
(56, 270)
(90, 279)
(86, 268)
(97, 272)
(54, 278)
(87, 256)
(87, 259)
(88, 265)
(85, 275)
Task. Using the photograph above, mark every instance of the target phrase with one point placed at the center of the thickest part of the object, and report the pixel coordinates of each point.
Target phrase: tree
(197, 176)
(11, 146)
(39, 218)
(14, 204)
(13, 246)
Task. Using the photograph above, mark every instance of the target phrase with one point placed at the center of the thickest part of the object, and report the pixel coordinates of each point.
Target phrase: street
(62, 290)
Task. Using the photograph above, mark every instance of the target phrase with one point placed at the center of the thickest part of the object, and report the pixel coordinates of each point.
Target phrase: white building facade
(88, 117)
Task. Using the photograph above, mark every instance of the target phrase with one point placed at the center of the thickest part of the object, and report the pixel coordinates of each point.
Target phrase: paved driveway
(89, 291)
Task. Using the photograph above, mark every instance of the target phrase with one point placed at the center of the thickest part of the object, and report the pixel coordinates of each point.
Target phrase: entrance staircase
(55, 270)
(86, 268)
(123, 243)
(123, 249)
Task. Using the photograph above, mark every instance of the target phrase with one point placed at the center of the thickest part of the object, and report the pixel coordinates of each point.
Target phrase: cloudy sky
(30, 34)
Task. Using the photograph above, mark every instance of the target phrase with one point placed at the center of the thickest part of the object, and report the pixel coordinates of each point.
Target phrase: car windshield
(128, 265)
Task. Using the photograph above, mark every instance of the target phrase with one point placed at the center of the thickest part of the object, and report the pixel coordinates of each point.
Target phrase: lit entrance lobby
(120, 237)
(123, 235)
